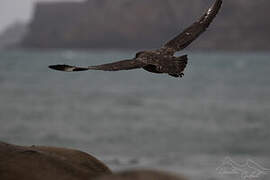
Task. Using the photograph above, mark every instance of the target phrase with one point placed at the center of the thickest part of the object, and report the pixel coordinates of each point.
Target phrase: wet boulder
(46, 163)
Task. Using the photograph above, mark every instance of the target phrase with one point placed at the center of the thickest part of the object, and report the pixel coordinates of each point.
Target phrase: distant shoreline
(95, 24)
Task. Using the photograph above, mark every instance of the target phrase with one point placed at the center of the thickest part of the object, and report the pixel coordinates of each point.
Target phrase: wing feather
(192, 32)
(116, 66)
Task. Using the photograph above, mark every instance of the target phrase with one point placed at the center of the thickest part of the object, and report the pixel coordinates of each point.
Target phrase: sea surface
(135, 119)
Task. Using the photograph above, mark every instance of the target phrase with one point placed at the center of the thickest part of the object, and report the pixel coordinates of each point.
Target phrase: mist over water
(137, 119)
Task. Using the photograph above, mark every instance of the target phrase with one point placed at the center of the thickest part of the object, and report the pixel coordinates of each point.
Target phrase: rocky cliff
(13, 35)
(241, 24)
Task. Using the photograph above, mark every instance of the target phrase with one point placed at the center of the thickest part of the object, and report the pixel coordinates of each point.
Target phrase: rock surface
(43, 163)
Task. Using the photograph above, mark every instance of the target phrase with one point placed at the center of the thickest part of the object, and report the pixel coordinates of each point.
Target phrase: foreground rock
(142, 175)
(44, 163)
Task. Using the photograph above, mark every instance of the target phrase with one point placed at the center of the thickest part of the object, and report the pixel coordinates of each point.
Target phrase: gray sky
(13, 10)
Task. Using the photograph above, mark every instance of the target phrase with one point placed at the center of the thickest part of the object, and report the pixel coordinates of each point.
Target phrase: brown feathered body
(159, 62)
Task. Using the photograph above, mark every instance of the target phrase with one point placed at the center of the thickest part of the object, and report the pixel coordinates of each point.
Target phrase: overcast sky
(13, 10)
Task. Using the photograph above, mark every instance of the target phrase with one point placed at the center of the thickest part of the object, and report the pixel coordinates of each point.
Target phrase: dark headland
(241, 24)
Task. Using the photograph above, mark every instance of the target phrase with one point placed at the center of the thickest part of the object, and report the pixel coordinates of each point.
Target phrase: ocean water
(135, 119)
